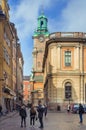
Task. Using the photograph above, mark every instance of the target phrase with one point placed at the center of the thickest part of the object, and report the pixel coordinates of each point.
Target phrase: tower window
(39, 64)
(41, 23)
(67, 58)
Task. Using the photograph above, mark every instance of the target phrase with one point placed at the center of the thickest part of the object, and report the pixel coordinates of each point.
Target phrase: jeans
(80, 116)
(23, 120)
(32, 120)
(41, 122)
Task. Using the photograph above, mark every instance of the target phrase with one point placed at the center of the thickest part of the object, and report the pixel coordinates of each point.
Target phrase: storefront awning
(9, 91)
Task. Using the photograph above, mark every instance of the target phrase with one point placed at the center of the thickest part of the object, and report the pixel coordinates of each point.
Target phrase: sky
(63, 16)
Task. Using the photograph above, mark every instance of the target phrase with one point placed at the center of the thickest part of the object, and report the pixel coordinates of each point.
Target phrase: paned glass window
(67, 58)
(68, 90)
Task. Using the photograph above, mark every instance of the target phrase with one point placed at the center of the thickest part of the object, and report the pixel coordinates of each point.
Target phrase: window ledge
(68, 99)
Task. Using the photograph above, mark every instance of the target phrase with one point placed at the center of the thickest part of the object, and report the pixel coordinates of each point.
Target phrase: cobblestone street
(54, 121)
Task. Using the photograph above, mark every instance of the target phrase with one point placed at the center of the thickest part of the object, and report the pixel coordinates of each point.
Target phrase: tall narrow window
(68, 90)
(39, 64)
(41, 23)
(67, 58)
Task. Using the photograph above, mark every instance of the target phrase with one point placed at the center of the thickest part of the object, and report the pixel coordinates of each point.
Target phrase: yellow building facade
(64, 67)
(8, 70)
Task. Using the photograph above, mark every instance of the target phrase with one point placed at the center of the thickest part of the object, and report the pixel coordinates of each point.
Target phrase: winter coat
(40, 110)
(32, 114)
(0, 108)
(23, 112)
(81, 109)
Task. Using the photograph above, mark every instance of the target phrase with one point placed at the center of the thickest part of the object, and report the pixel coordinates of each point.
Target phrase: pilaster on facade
(59, 56)
(76, 57)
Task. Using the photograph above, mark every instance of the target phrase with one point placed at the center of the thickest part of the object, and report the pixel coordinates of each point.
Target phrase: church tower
(40, 37)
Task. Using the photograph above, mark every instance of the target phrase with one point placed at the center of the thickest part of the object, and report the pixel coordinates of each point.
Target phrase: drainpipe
(83, 70)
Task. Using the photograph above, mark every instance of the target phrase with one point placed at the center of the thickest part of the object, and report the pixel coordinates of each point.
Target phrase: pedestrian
(81, 111)
(45, 110)
(33, 116)
(68, 108)
(40, 110)
(18, 107)
(23, 115)
(0, 109)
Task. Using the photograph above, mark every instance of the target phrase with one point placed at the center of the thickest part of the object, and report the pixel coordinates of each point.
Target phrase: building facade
(6, 93)
(20, 63)
(26, 90)
(8, 59)
(64, 67)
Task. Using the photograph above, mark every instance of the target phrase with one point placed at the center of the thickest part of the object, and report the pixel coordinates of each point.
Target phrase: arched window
(68, 90)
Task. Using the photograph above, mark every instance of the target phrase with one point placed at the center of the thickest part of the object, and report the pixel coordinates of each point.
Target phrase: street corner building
(64, 67)
(59, 66)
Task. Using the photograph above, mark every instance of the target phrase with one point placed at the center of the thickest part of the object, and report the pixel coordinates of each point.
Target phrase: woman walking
(33, 115)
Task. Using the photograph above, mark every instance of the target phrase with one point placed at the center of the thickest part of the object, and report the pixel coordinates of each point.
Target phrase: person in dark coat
(0, 109)
(45, 110)
(23, 115)
(33, 116)
(40, 110)
(81, 111)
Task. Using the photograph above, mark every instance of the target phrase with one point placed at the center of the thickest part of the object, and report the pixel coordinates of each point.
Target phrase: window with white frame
(6, 56)
(67, 58)
(7, 39)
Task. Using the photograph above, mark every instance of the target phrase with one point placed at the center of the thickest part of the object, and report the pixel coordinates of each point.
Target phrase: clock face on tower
(41, 38)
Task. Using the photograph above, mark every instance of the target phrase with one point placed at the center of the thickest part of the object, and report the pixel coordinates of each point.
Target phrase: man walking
(40, 110)
(81, 111)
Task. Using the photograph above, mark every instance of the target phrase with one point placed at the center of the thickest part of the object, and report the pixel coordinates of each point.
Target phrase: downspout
(83, 70)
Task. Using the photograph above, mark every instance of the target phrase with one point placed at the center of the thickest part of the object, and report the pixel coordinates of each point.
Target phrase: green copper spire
(42, 26)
